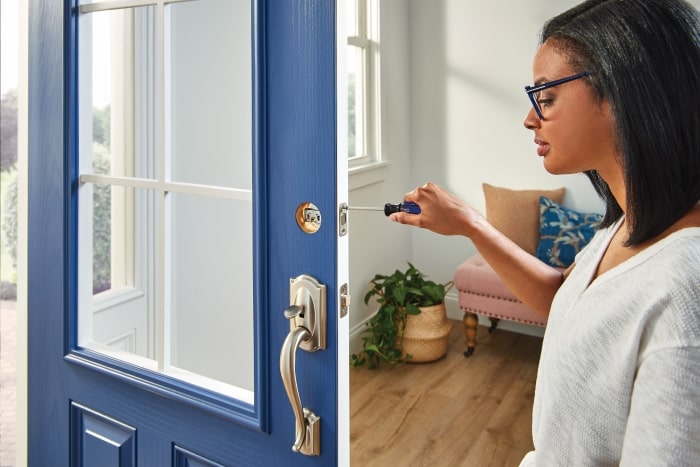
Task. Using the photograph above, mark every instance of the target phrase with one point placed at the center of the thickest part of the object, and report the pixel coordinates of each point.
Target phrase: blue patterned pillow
(563, 232)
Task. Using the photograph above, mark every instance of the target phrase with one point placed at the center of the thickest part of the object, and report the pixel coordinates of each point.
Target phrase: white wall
(453, 74)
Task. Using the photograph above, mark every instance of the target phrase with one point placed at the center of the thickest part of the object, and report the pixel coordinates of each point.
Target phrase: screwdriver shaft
(365, 208)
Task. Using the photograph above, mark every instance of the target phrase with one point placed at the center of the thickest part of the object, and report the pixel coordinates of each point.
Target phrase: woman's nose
(531, 120)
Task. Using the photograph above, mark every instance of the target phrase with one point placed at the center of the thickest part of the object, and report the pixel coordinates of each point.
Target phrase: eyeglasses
(532, 91)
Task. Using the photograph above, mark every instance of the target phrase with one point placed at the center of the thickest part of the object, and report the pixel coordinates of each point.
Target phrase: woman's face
(577, 132)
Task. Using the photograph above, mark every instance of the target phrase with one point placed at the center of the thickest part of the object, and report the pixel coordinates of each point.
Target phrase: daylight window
(363, 82)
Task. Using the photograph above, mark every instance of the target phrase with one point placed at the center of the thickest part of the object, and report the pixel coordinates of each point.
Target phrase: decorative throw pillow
(516, 212)
(563, 232)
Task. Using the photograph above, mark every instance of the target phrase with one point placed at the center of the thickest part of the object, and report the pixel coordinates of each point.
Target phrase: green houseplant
(400, 296)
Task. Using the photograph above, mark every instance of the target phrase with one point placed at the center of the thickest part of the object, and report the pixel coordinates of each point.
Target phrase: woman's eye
(544, 102)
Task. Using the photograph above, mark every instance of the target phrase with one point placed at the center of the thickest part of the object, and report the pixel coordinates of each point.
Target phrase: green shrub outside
(9, 217)
(102, 223)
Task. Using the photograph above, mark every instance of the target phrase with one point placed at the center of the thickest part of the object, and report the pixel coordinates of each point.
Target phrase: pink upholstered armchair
(481, 292)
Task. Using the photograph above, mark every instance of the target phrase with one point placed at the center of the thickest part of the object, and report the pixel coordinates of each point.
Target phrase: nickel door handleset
(307, 330)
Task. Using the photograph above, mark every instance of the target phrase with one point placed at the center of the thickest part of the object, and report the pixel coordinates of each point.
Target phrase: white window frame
(368, 167)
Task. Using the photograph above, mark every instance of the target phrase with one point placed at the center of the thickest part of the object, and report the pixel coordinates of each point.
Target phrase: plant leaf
(412, 309)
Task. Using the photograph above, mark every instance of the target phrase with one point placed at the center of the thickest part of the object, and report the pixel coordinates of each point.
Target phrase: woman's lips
(542, 147)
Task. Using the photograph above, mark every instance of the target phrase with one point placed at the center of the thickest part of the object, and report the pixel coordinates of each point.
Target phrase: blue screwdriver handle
(409, 207)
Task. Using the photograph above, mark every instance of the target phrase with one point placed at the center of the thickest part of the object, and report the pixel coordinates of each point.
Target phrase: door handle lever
(307, 426)
(307, 322)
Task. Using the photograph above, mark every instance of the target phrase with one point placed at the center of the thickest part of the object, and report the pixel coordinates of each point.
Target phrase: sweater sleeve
(663, 427)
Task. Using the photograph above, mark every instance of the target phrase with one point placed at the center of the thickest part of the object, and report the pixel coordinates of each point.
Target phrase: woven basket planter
(426, 335)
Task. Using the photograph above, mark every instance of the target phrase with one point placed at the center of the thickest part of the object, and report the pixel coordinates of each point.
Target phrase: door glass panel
(165, 234)
(120, 317)
(117, 105)
(102, 226)
(210, 93)
(211, 301)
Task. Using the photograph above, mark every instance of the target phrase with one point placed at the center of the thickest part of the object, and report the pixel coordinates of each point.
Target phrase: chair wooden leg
(470, 322)
(494, 323)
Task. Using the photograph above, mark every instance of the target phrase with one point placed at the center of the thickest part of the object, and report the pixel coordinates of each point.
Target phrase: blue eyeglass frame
(532, 90)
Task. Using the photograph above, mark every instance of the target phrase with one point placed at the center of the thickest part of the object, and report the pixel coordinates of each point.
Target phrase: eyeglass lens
(533, 92)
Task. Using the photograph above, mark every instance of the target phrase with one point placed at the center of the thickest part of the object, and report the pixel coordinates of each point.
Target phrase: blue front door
(108, 386)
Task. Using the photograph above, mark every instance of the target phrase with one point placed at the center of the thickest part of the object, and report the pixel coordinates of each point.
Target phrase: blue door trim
(260, 207)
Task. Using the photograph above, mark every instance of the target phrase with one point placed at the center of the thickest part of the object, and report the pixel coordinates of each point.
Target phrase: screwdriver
(409, 207)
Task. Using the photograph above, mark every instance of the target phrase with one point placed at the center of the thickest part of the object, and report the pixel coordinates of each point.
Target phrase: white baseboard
(356, 335)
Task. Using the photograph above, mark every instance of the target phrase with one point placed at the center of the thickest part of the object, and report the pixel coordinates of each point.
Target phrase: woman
(617, 96)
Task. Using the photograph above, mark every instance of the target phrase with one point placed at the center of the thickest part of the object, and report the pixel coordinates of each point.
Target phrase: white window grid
(156, 111)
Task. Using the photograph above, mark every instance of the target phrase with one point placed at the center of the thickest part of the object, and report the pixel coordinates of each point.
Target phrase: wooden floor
(456, 411)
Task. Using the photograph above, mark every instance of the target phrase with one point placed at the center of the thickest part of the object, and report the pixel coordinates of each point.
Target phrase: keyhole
(308, 217)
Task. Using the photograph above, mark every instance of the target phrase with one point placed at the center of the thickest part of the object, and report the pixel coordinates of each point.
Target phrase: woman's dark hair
(644, 56)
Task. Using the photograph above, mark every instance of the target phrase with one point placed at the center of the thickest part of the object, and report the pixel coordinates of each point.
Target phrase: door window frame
(244, 408)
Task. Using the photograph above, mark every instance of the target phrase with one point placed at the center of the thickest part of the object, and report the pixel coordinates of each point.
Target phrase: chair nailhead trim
(494, 315)
(469, 292)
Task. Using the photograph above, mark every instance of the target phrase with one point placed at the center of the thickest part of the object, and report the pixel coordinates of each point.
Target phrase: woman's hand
(530, 279)
(441, 211)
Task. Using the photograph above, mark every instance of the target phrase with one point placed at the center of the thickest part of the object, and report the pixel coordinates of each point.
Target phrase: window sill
(367, 174)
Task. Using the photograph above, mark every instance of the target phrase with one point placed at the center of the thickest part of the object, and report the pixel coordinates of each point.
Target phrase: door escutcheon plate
(306, 293)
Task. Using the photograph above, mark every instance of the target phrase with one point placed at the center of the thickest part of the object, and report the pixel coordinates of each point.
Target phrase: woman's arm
(531, 280)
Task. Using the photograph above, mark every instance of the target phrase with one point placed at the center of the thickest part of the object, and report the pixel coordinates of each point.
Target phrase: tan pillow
(516, 213)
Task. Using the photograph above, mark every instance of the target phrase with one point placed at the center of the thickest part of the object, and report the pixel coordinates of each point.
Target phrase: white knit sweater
(619, 376)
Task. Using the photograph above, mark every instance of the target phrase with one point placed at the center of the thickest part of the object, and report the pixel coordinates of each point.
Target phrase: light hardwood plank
(456, 411)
